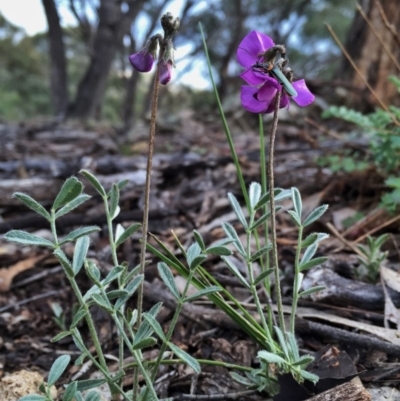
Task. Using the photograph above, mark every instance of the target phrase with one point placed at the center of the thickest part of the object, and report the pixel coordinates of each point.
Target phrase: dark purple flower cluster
(259, 97)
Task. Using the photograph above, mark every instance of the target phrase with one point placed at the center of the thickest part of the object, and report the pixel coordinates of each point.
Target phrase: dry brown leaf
(392, 279)
(7, 274)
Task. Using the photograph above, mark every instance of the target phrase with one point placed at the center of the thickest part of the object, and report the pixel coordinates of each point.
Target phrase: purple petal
(165, 72)
(304, 96)
(253, 77)
(251, 46)
(285, 101)
(142, 61)
(249, 102)
(267, 92)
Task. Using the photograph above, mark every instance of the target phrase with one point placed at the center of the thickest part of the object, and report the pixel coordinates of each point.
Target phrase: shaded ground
(192, 174)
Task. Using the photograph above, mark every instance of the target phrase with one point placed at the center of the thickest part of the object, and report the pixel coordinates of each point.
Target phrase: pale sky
(29, 14)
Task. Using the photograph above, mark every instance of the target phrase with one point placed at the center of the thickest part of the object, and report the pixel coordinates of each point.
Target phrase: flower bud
(167, 62)
(169, 24)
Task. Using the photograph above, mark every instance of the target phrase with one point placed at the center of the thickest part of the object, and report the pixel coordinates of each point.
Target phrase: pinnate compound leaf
(270, 357)
(127, 233)
(25, 238)
(70, 190)
(168, 279)
(185, 357)
(79, 232)
(202, 293)
(70, 391)
(315, 215)
(32, 204)
(72, 205)
(80, 252)
(58, 368)
(95, 182)
(238, 210)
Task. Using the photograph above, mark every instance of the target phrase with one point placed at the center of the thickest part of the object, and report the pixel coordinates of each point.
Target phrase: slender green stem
(53, 227)
(296, 281)
(170, 329)
(278, 294)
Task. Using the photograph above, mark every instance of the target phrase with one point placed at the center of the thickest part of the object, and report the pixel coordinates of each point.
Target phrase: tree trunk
(58, 65)
(370, 55)
(113, 25)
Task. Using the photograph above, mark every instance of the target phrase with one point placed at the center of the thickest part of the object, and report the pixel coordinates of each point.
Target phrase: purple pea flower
(142, 61)
(259, 98)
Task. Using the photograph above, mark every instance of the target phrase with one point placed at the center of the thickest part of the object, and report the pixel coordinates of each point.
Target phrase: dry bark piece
(345, 392)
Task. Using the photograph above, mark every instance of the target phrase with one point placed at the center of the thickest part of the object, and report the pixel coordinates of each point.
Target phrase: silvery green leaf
(79, 396)
(185, 357)
(72, 205)
(92, 290)
(79, 361)
(92, 396)
(282, 341)
(102, 302)
(33, 397)
(254, 194)
(197, 261)
(80, 252)
(261, 220)
(114, 273)
(145, 329)
(309, 376)
(95, 182)
(303, 360)
(70, 391)
(315, 215)
(145, 343)
(79, 315)
(131, 316)
(262, 201)
(232, 234)
(70, 190)
(134, 284)
(236, 272)
(127, 233)
(116, 294)
(218, 250)
(295, 217)
(168, 279)
(114, 200)
(282, 194)
(65, 263)
(88, 384)
(299, 281)
(22, 237)
(240, 379)
(238, 210)
(155, 326)
(311, 239)
(92, 271)
(311, 290)
(204, 292)
(57, 369)
(262, 276)
(199, 239)
(78, 341)
(270, 357)
(32, 204)
(297, 204)
(261, 252)
(309, 253)
(313, 262)
(293, 346)
(79, 232)
(193, 251)
(60, 336)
